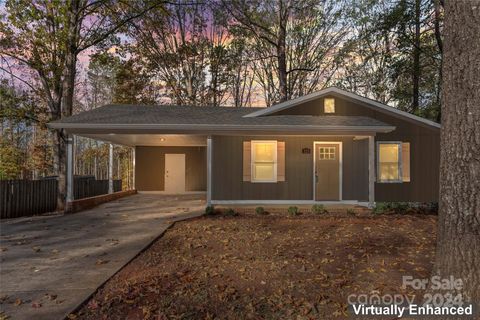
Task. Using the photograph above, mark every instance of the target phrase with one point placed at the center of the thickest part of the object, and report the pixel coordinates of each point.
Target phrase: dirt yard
(267, 267)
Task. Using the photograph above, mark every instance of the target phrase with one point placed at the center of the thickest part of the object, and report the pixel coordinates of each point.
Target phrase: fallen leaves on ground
(3, 316)
(50, 296)
(250, 267)
(101, 261)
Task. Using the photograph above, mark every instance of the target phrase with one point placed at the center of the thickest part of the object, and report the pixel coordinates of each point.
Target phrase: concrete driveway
(49, 265)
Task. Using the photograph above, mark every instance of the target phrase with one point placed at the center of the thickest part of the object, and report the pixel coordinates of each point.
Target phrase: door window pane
(327, 153)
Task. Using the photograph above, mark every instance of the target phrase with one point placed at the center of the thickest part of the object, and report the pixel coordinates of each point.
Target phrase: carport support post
(209, 171)
(69, 175)
(371, 171)
(133, 167)
(110, 169)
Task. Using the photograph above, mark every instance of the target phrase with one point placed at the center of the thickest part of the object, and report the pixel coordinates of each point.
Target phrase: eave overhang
(90, 128)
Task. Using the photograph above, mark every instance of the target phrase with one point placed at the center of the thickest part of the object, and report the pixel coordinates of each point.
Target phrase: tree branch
(19, 79)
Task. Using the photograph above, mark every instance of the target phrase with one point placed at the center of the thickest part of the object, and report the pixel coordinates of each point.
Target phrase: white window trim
(252, 161)
(400, 162)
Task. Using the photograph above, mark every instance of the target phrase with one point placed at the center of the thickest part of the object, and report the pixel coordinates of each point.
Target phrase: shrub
(400, 207)
(319, 209)
(293, 211)
(392, 207)
(350, 211)
(260, 210)
(210, 210)
(432, 207)
(231, 212)
(380, 208)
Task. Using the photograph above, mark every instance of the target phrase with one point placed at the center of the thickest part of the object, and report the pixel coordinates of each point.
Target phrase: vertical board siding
(20, 198)
(150, 167)
(228, 182)
(424, 148)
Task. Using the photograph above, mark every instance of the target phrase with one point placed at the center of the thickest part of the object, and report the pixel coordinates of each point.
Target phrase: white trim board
(287, 202)
(340, 169)
(173, 194)
(344, 93)
(371, 171)
(209, 169)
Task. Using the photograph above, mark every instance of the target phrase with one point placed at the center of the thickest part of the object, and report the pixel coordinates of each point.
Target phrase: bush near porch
(269, 267)
(332, 210)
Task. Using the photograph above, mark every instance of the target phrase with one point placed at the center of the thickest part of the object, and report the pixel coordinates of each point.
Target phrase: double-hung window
(393, 161)
(264, 161)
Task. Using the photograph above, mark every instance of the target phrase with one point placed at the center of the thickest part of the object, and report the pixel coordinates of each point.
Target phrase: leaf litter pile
(265, 267)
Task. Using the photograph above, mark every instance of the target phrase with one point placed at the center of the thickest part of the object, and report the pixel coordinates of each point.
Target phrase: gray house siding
(424, 149)
(150, 167)
(227, 175)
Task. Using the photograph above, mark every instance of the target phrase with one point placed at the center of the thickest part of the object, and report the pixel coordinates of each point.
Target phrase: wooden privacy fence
(87, 186)
(20, 198)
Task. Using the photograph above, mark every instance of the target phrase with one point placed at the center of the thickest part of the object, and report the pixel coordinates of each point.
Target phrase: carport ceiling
(150, 139)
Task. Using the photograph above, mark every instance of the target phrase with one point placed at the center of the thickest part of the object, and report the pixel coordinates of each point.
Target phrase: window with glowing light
(264, 161)
(393, 161)
(329, 105)
(389, 164)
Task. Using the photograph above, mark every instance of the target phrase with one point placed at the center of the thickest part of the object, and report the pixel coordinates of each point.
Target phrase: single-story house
(331, 146)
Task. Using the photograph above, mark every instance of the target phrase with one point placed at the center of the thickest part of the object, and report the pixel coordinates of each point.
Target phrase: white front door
(174, 173)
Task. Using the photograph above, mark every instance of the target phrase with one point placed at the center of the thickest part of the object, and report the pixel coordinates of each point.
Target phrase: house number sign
(306, 150)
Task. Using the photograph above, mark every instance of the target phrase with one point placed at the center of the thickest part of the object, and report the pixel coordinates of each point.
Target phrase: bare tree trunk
(282, 71)
(68, 87)
(438, 34)
(60, 160)
(416, 59)
(61, 151)
(438, 37)
(458, 247)
(281, 52)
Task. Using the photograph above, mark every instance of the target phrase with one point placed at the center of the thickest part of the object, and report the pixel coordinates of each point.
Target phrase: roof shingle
(190, 115)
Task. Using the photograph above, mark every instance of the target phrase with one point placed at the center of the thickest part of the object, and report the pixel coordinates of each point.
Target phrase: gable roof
(209, 119)
(349, 95)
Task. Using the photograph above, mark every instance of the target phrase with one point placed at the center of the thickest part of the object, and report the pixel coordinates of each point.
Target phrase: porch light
(162, 139)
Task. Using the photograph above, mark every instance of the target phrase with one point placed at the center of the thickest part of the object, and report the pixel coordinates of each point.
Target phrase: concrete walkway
(49, 265)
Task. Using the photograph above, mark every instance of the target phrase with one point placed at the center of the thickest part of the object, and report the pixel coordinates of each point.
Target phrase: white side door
(174, 173)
